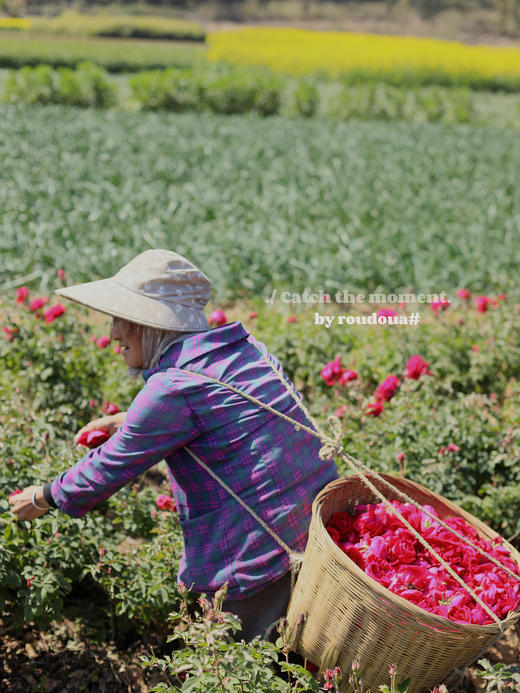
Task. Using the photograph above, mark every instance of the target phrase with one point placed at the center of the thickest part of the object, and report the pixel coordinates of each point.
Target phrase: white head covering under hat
(160, 290)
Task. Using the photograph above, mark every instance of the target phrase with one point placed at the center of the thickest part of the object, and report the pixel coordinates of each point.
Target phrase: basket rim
(415, 611)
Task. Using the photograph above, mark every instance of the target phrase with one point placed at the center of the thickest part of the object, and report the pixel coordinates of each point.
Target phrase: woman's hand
(21, 503)
(109, 424)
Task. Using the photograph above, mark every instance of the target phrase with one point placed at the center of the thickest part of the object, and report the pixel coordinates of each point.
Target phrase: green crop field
(260, 202)
(116, 55)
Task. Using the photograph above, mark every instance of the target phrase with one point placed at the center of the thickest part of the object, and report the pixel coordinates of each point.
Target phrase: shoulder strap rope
(332, 447)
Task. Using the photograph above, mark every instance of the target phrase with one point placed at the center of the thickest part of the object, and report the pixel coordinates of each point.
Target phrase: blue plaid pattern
(273, 467)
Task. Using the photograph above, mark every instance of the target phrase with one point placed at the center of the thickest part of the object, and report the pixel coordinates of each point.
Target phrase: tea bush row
(87, 85)
(239, 92)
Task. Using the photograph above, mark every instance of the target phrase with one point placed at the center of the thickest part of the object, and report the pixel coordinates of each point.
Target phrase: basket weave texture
(349, 616)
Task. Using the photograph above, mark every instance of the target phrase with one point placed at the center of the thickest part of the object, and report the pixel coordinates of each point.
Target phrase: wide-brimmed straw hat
(158, 288)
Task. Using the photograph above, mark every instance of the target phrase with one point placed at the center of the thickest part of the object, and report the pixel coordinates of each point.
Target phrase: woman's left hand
(21, 503)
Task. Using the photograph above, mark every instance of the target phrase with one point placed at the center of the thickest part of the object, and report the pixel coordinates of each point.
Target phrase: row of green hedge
(88, 85)
(223, 90)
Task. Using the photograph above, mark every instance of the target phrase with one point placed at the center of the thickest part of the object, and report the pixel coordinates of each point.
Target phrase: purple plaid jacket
(273, 467)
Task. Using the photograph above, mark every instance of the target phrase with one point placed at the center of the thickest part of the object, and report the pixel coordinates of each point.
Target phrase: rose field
(269, 204)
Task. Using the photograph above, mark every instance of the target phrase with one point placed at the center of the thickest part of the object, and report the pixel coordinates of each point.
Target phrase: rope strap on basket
(332, 447)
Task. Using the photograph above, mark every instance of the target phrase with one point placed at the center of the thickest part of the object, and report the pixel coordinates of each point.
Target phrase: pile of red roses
(387, 551)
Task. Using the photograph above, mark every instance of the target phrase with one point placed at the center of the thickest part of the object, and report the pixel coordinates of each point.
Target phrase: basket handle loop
(332, 447)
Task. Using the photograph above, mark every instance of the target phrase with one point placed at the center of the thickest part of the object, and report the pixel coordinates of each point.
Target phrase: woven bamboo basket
(349, 616)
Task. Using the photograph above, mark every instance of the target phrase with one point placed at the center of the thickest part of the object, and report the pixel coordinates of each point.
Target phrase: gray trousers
(260, 613)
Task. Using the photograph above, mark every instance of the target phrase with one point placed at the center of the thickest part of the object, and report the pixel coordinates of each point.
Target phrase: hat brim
(109, 297)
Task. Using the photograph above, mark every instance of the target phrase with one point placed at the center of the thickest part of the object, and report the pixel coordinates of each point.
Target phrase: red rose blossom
(463, 293)
(38, 303)
(387, 389)
(52, 313)
(386, 313)
(103, 341)
(165, 502)
(416, 367)
(252, 315)
(217, 317)
(481, 303)
(21, 294)
(346, 376)
(92, 439)
(291, 318)
(437, 306)
(375, 408)
(109, 408)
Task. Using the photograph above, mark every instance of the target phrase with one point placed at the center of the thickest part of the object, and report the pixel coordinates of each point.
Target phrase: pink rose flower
(61, 274)
(217, 317)
(437, 306)
(502, 297)
(475, 348)
(401, 457)
(481, 303)
(252, 315)
(416, 367)
(387, 389)
(463, 293)
(164, 502)
(21, 294)
(103, 341)
(291, 318)
(38, 303)
(117, 349)
(386, 313)
(52, 313)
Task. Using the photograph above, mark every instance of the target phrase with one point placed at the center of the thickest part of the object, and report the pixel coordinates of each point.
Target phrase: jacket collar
(196, 345)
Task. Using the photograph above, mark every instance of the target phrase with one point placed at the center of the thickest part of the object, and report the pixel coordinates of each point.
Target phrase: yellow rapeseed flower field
(298, 51)
(14, 23)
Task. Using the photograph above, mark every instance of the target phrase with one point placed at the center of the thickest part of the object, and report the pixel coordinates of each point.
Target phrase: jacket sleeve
(158, 422)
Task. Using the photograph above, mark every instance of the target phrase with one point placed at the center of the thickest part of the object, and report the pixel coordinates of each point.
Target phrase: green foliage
(216, 90)
(210, 660)
(498, 677)
(55, 381)
(373, 101)
(85, 86)
(114, 55)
